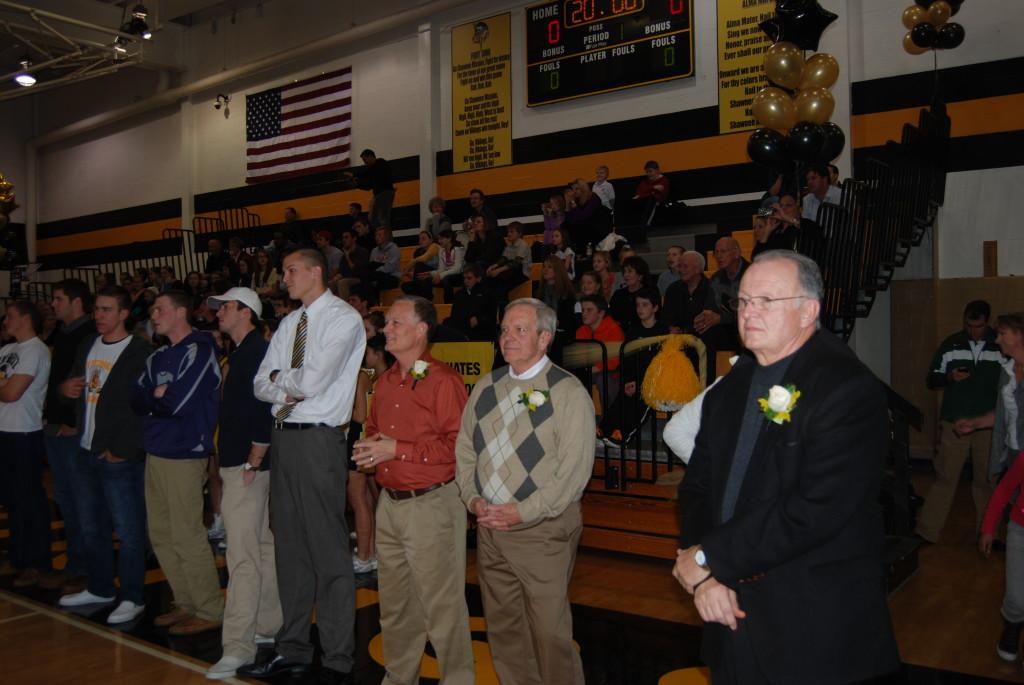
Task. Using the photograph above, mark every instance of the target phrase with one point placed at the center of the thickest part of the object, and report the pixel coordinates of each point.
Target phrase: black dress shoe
(270, 664)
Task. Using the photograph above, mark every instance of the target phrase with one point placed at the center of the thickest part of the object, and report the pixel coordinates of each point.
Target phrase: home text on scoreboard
(583, 47)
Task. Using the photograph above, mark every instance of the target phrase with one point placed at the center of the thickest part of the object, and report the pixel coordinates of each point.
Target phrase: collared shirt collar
(530, 372)
(318, 303)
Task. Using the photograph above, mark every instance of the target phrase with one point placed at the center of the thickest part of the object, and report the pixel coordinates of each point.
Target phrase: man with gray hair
(687, 297)
(781, 537)
(525, 453)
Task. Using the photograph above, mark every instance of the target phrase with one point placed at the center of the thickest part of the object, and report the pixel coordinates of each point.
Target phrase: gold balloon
(910, 46)
(815, 105)
(820, 71)
(774, 108)
(914, 15)
(783, 64)
(939, 12)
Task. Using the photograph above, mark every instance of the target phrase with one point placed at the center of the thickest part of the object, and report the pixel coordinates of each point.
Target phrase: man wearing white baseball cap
(253, 609)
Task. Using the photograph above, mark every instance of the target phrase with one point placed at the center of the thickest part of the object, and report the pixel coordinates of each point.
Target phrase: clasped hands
(495, 516)
(374, 450)
(715, 602)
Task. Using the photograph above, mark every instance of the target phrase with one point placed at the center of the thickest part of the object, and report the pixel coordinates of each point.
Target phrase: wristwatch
(701, 559)
(249, 467)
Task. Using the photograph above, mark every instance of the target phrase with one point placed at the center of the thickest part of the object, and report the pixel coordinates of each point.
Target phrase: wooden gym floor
(632, 622)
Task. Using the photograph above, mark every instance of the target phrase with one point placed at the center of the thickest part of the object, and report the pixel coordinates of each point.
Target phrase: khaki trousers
(252, 605)
(174, 512)
(421, 573)
(524, 580)
(949, 463)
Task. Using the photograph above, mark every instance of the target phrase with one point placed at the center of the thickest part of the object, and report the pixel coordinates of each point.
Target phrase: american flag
(301, 128)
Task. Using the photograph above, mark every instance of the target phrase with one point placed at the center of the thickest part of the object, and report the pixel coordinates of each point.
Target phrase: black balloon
(955, 5)
(834, 141)
(767, 147)
(798, 21)
(924, 35)
(950, 36)
(805, 142)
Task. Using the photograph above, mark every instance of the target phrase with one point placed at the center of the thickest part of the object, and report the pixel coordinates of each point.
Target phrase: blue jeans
(28, 514)
(110, 496)
(61, 452)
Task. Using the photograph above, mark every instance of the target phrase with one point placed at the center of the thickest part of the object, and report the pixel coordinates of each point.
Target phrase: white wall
(133, 166)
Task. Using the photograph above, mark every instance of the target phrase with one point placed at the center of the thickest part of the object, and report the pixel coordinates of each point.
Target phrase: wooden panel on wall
(924, 313)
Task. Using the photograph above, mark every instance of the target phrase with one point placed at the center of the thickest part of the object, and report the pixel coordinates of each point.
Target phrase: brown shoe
(73, 585)
(53, 580)
(28, 578)
(193, 625)
(176, 615)
(7, 568)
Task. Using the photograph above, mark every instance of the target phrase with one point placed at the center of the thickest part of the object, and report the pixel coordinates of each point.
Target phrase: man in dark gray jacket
(111, 464)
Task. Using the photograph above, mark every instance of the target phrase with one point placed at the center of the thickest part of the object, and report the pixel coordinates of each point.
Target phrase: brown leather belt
(409, 494)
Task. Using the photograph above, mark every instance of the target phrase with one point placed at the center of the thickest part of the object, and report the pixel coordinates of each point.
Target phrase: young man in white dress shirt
(309, 376)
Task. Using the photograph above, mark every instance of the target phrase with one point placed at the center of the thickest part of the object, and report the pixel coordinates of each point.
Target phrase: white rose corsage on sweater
(531, 399)
(779, 404)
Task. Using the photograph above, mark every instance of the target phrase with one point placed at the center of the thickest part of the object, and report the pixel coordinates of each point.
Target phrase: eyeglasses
(759, 304)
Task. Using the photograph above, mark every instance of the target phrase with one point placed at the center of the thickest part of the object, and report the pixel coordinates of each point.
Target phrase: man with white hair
(782, 535)
(686, 298)
(524, 454)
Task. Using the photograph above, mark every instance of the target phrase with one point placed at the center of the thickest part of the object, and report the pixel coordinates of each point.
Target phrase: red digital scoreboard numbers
(576, 48)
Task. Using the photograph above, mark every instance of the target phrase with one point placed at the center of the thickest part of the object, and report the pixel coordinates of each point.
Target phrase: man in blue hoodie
(177, 395)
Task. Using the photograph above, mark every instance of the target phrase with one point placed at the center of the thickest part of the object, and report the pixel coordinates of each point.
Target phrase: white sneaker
(82, 598)
(216, 530)
(263, 639)
(126, 611)
(360, 566)
(225, 668)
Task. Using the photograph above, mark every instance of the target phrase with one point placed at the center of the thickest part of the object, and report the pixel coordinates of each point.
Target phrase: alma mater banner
(482, 94)
(741, 46)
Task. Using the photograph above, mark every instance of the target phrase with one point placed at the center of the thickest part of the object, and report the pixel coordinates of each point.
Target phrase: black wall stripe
(970, 153)
(403, 169)
(971, 82)
(168, 209)
(116, 253)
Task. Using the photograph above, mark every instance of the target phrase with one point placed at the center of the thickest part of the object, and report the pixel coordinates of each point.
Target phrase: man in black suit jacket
(782, 531)
(473, 309)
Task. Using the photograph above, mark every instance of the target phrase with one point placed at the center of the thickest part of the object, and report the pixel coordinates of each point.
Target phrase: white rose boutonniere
(531, 399)
(419, 371)
(779, 404)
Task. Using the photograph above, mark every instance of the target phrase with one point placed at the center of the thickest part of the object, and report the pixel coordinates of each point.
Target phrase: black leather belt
(409, 494)
(289, 426)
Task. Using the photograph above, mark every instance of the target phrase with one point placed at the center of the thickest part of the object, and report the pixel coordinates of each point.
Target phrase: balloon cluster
(7, 204)
(795, 110)
(929, 26)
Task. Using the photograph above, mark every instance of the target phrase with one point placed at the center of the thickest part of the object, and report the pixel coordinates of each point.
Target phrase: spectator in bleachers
(590, 284)
(770, 233)
(24, 371)
(283, 305)
(278, 248)
(364, 236)
(265, 279)
(556, 290)
(72, 304)
(586, 219)
(513, 268)
(602, 265)
(376, 177)
(562, 248)
(245, 272)
(652, 193)
(671, 274)
(126, 280)
(383, 270)
(716, 325)
(49, 331)
(373, 324)
(626, 414)
(819, 190)
(362, 298)
(217, 258)
(473, 308)
(687, 297)
(424, 257)
(292, 227)
(236, 250)
(478, 207)
(635, 274)
(438, 220)
(833, 176)
(554, 214)
(331, 253)
(354, 260)
(448, 274)
(485, 244)
(599, 325)
(355, 210)
(603, 188)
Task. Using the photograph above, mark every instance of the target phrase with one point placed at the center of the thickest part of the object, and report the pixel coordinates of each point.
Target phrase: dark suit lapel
(771, 433)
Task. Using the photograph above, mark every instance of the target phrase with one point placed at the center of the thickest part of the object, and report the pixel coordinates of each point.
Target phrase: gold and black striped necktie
(298, 352)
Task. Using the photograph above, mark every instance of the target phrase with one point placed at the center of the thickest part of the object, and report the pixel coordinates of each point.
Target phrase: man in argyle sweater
(524, 454)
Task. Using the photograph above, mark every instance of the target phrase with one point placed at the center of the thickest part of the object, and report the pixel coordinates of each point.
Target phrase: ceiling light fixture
(137, 24)
(24, 78)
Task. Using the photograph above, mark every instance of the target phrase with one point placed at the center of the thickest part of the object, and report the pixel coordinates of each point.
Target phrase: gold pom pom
(670, 381)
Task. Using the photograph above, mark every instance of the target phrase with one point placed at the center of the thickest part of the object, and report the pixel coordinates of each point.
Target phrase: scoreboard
(583, 47)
